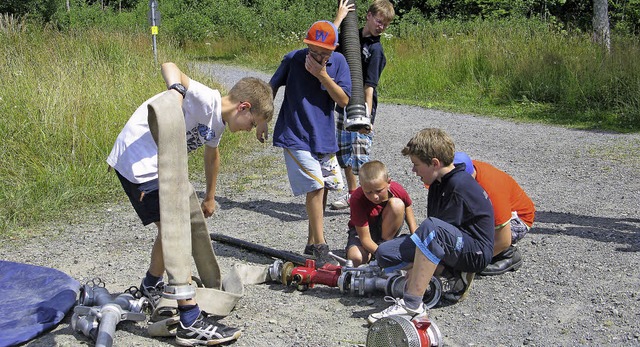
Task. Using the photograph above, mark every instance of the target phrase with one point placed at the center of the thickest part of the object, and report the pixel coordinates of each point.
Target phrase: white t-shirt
(135, 154)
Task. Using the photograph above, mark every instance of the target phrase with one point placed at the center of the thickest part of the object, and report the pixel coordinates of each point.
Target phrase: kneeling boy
(379, 208)
(458, 233)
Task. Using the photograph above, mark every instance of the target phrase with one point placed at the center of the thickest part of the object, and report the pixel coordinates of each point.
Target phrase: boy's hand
(262, 132)
(343, 11)
(314, 67)
(208, 207)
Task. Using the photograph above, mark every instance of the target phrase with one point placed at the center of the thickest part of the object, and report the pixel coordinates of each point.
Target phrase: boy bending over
(513, 210)
(134, 157)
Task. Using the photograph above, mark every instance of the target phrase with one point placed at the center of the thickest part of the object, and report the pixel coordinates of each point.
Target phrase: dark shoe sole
(196, 342)
(461, 295)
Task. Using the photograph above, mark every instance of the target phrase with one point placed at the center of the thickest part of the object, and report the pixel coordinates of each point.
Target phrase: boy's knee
(396, 206)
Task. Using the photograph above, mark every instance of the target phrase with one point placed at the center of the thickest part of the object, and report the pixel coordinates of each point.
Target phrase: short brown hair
(384, 8)
(258, 93)
(373, 170)
(431, 143)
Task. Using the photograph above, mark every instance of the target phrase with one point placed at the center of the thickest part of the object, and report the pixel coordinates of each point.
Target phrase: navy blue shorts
(374, 230)
(144, 198)
(440, 242)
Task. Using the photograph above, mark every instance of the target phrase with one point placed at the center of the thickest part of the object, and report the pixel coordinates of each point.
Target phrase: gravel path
(579, 285)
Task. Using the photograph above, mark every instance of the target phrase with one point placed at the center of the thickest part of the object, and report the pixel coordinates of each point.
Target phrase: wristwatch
(180, 88)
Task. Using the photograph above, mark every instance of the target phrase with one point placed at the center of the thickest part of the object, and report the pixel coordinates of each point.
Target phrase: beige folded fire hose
(184, 229)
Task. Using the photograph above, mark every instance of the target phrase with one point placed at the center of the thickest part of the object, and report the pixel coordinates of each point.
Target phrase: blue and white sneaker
(206, 331)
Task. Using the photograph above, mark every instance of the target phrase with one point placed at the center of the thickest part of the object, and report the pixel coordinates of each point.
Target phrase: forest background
(73, 71)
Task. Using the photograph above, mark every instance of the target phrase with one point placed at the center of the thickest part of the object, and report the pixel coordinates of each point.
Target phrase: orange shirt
(505, 194)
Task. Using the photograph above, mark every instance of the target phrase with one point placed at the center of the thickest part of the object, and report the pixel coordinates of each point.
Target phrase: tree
(601, 34)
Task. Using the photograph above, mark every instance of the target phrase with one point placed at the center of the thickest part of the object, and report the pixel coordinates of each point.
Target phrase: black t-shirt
(460, 201)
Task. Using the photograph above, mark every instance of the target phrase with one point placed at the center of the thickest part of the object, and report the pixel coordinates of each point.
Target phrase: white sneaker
(341, 203)
(398, 309)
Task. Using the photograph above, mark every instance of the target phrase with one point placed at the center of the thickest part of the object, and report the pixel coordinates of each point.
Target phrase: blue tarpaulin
(34, 299)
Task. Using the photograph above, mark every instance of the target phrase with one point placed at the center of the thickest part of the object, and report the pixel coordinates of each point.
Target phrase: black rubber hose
(350, 41)
(276, 253)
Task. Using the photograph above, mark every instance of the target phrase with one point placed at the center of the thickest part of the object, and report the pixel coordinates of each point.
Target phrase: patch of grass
(69, 97)
(619, 151)
(516, 69)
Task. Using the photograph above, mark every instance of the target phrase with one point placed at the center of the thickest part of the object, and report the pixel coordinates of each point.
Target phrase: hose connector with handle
(98, 312)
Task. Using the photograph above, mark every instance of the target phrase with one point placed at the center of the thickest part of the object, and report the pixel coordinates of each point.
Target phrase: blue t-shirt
(460, 201)
(306, 120)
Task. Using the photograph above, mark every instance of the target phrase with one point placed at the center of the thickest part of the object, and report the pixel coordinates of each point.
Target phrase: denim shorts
(144, 198)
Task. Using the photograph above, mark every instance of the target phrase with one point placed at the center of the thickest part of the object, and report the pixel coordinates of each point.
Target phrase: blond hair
(431, 143)
(258, 93)
(373, 170)
(384, 8)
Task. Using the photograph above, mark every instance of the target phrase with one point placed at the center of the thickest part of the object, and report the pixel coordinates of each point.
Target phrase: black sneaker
(154, 294)
(321, 253)
(461, 286)
(308, 250)
(205, 331)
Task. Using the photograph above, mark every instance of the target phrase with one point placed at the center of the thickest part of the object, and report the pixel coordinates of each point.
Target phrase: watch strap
(180, 88)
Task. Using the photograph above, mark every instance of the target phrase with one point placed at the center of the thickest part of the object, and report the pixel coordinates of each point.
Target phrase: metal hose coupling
(179, 292)
(364, 280)
(402, 332)
(355, 117)
(98, 312)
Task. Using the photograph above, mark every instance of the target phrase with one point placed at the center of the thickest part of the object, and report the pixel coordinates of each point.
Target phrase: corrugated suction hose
(356, 111)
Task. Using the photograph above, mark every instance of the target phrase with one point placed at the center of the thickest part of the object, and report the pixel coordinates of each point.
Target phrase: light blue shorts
(309, 171)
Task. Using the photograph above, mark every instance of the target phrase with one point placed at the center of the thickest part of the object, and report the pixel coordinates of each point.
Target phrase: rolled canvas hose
(166, 123)
(184, 228)
(203, 253)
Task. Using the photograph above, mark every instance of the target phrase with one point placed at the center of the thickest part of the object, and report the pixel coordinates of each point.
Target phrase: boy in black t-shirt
(457, 235)
(355, 147)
